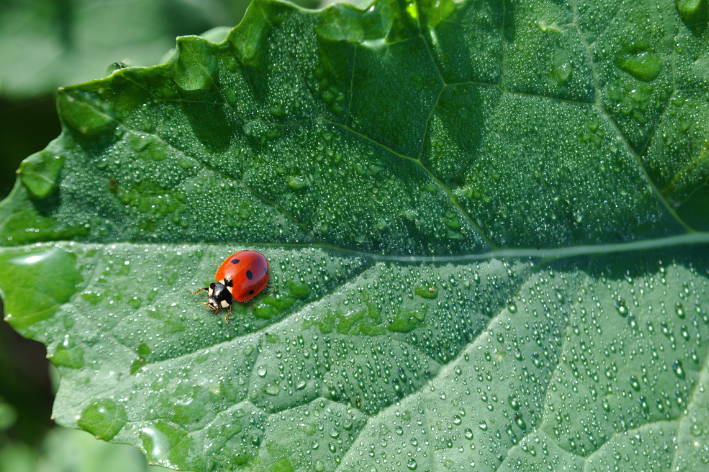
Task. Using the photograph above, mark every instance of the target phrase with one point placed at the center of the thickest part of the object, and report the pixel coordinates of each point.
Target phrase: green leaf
(8, 415)
(487, 226)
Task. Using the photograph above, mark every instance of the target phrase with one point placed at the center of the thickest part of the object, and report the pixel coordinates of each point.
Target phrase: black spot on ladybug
(249, 275)
(251, 292)
(235, 261)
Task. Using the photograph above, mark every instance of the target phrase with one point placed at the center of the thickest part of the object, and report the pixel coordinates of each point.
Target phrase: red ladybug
(240, 277)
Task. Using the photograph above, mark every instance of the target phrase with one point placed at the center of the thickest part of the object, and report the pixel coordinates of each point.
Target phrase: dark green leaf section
(691, 63)
(535, 175)
(466, 40)
(544, 54)
(635, 67)
(394, 88)
(682, 147)
(386, 135)
(593, 18)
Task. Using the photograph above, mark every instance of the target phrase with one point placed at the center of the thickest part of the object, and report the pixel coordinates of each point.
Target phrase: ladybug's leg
(195, 293)
(252, 305)
(226, 318)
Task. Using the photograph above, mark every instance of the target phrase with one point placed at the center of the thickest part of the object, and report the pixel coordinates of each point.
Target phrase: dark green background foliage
(487, 224)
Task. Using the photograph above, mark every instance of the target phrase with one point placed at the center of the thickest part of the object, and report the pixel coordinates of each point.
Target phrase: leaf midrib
(688, 239)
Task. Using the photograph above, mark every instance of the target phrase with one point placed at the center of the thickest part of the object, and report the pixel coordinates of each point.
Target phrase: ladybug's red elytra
(241, 277)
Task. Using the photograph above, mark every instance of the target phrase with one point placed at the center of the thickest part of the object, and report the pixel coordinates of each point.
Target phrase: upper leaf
(441, 189)
(365, 136)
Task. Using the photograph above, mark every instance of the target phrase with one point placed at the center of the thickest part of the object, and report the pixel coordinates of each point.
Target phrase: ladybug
(241, 277)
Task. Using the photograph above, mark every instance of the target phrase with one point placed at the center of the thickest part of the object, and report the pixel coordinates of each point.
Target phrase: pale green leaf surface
(486, 222)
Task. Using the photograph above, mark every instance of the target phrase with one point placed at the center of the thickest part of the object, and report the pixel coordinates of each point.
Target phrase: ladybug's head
(218, 297)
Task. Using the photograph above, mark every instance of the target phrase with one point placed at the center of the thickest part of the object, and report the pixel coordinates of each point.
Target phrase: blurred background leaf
(45, 44)
(76, 451)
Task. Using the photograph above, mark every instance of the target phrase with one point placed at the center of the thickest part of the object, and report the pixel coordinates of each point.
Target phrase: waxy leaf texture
(487, 223)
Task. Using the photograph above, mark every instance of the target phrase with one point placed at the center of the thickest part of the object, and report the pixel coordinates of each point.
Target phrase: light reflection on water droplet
(160, 443)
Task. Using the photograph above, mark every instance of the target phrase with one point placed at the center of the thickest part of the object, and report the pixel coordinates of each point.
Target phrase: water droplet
(103, 418)
(514, 403)
(645, 66)
(679, 370)
(643, 402)
(696, 429)
(634, 383)
(620, 306)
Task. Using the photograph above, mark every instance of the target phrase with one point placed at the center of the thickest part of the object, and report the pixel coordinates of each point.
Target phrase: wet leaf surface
(486, 226)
